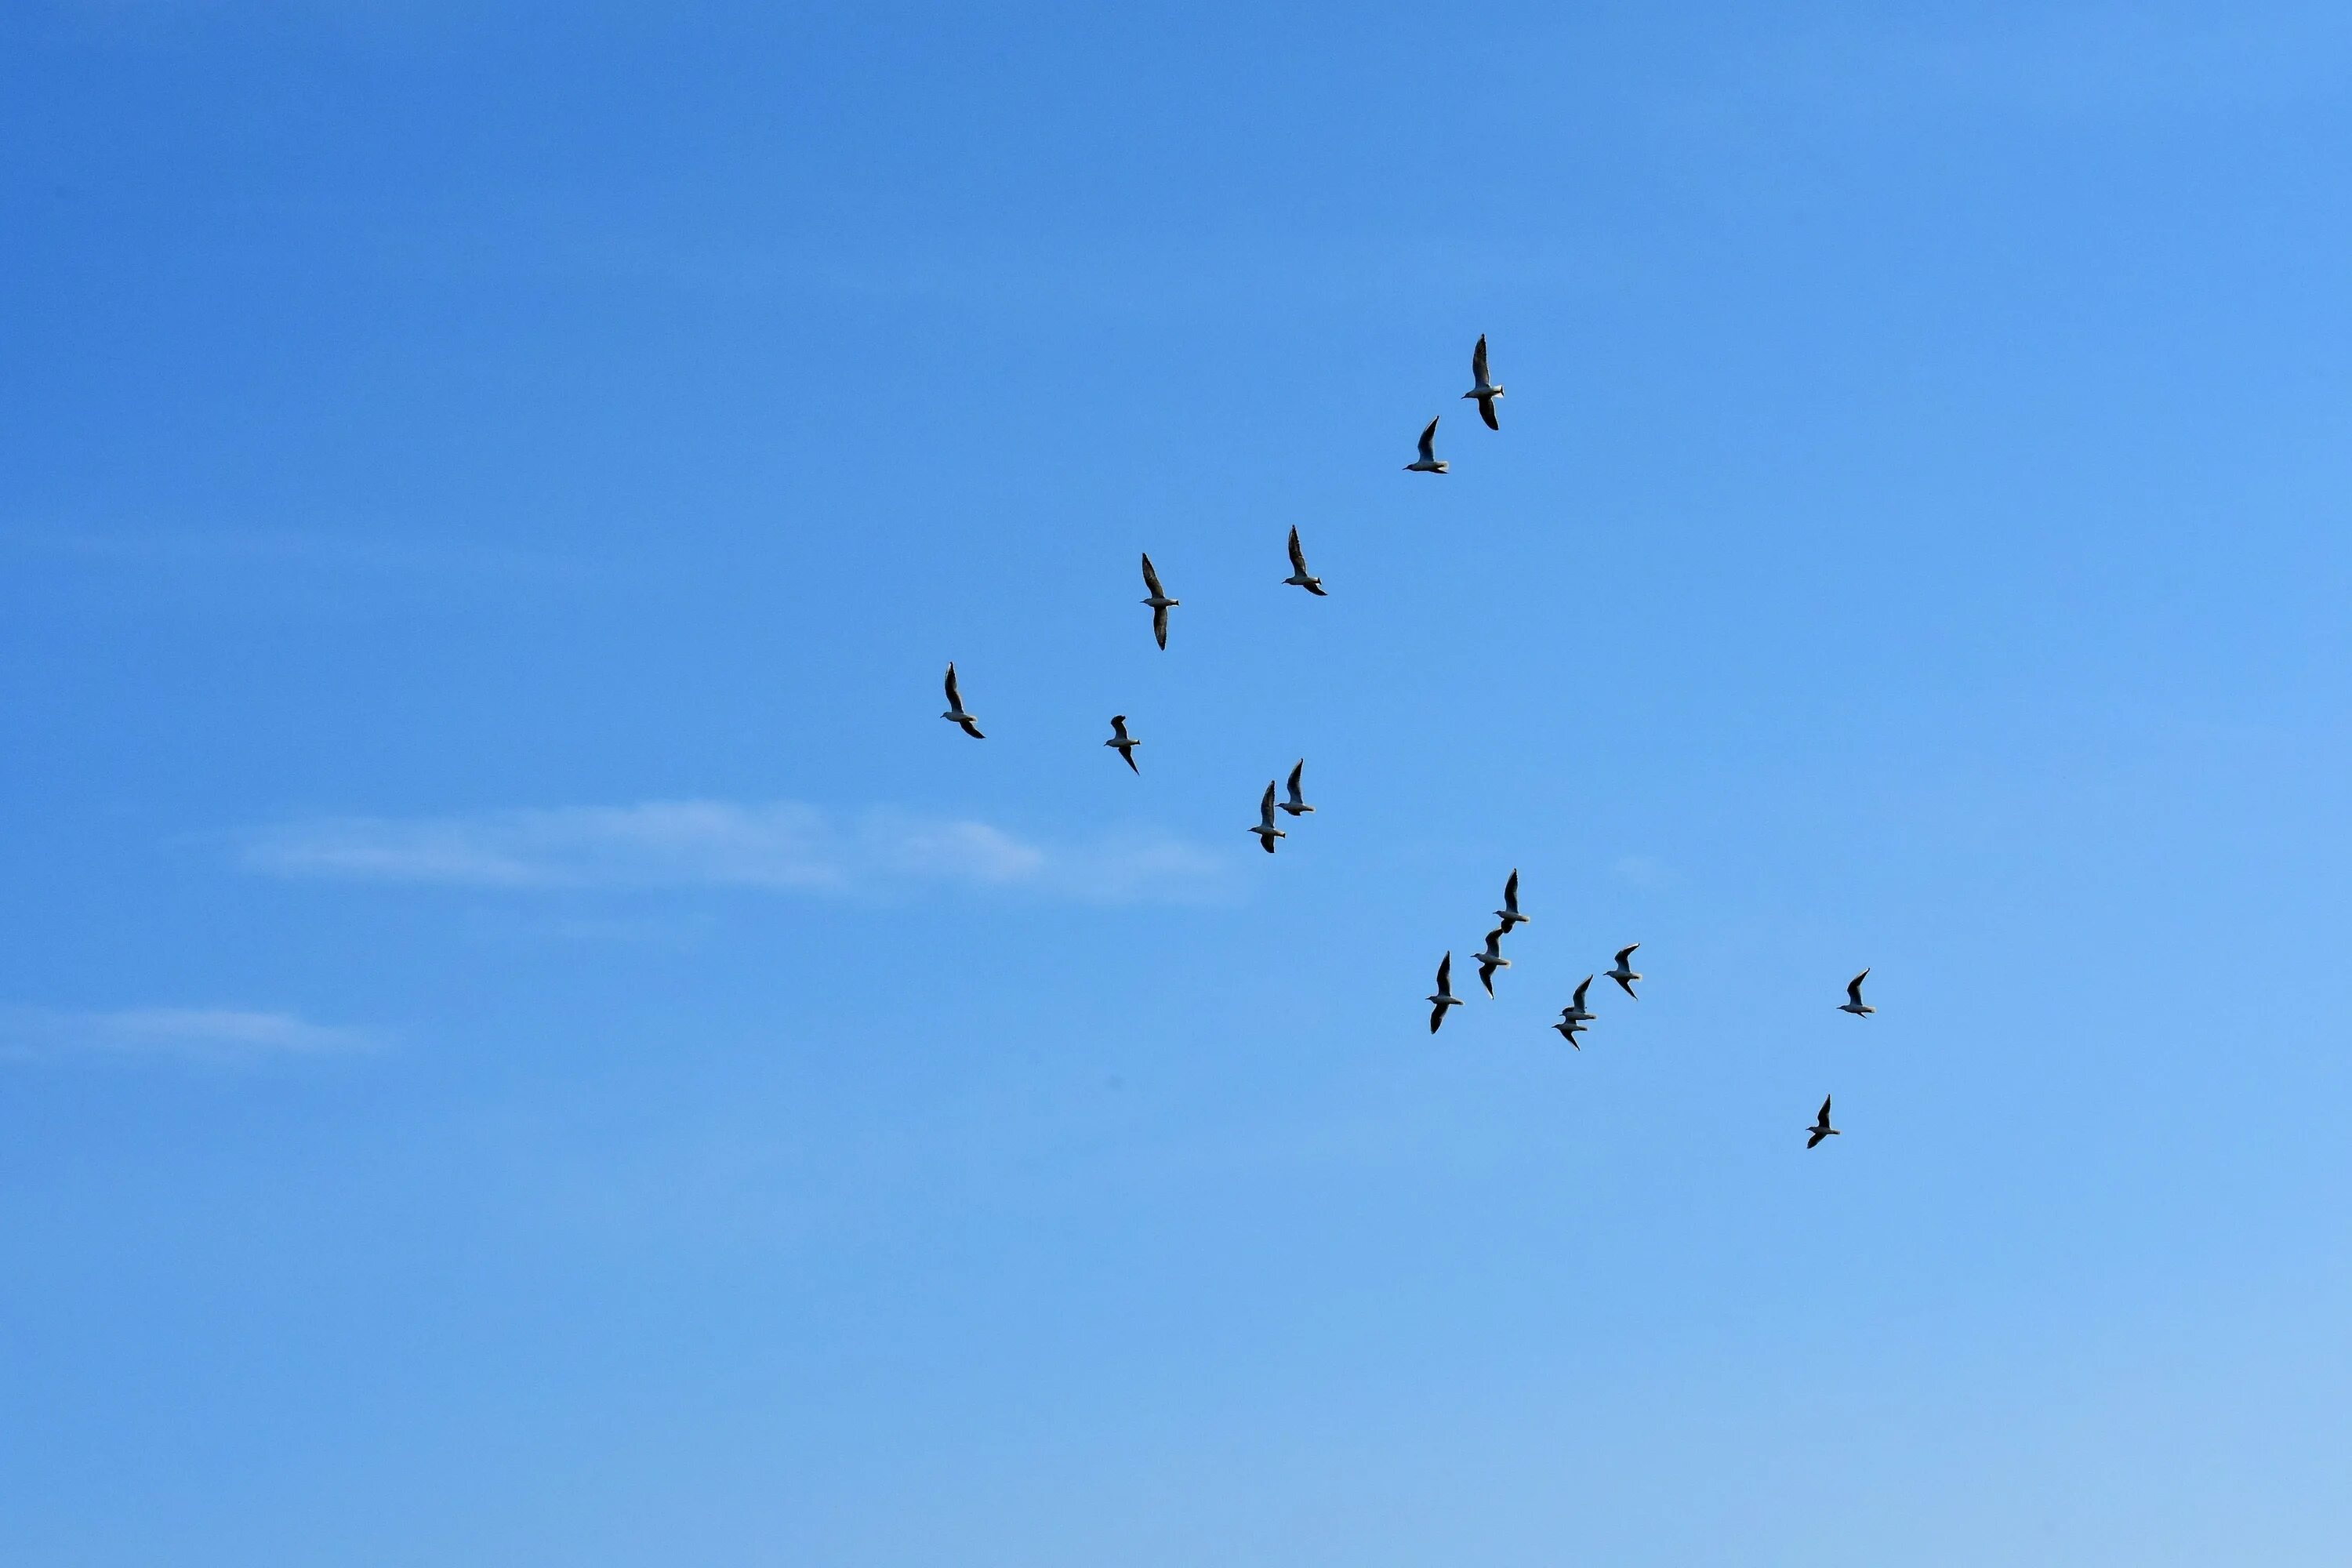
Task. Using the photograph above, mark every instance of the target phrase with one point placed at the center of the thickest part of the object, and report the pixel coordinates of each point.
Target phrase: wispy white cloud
(205, 1033)
(780, 846)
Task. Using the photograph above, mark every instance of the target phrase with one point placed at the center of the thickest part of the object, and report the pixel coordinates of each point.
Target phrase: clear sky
(524, 1039)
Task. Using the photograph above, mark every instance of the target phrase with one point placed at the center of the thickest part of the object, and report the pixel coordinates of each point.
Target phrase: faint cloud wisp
(221, 1034)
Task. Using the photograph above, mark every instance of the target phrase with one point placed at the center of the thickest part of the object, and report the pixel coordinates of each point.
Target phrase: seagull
(1429, 463)
(1853, 1001)
(1297, 805)
(1265, 830)
(1623, 977)
(1491, 959)
(1509, 914)
(1485, 391)
(1569, 1030)
(1445, 997)
(1159, 602)
(1821, 1127)
(1123, 741)
(1298, 573)
(955, 713)
(1576, 1011)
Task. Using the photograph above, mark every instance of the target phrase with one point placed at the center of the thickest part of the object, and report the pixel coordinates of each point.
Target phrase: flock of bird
(1574, 1017)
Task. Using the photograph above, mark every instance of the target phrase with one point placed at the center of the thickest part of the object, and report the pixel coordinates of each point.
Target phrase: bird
(1623, 977)
(1265, 830)
(1485, 391)
(1569, 1030)
(1297, 805)
(1430, 463)
(1491, 959)
(1159, 602)
(955, 713)
(1853, 1001)
(1576, 1011)
(1444, 996)
(1821, 1127)
(1509, 914)
(1123, 741)
(1298, 573)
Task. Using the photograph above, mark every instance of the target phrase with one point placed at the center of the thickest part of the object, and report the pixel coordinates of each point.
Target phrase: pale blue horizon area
(524, 1039)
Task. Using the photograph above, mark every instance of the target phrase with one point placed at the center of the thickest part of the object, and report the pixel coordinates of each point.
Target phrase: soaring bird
(1299, 577)
(1569, 1030)
(1509, 914)
(955, 713)
(1123, 741)
(1297, 805)
(1430, 463)
(1821, 1127)
(1621, 975)
(1485, 391)
(1444, 996)
(1159, 602)
(1576, 1011)
(1491, 959)
(1265, 830)
(1853, 1001)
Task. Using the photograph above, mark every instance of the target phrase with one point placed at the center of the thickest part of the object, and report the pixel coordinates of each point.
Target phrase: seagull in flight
(1265, 830)
(1430, 462)
(1299, 575)
(1159, 602)
(1569, 1030)
(1491, 959)
(1821, 1127)
(1622, 975)
(1509, 914)
(1853, 1001)
(1297, 805)
(1576, 1011)
(1123, 741)
(1444, 996)
(1485, 391)
(955, 713)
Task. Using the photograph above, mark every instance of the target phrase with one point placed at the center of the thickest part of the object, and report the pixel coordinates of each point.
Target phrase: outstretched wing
(1152, 578)
(1580, 990)
(1854, 988)
(1823, 1118)
(1478, 362)
(1486, 411)
(1429, 442)
(1445, 974)
(955, 698)
(1297, 556)
(1623, 954)
(1265, 805)
(1160, 622)
(1511, 892)
(1297, 768)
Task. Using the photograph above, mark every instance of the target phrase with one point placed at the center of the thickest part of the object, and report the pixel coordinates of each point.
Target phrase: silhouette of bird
(1485, 391)
(1265, 830)
(1853, 1001)
(955, 713)
(1821, 1127)
(1297, 805)
(1491, 959)
(1159, 602)
(1623, 977)
(1429, 463)
(1444, 996)
(1509, 914)
(1125, 743)
(1299, 575)
(1576, 1011)
(1569, 1030)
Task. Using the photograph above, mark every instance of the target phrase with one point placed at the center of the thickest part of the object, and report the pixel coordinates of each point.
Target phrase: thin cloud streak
(777, 845)
(226, 1035)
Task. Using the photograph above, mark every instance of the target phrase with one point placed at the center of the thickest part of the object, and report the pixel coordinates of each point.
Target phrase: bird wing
(1511, 892)
(1297, 769)
(1478, 361)
(1152, 578)
(1297, 555)
(1445, 974)
(1118, 725)
(1160, 623)
(1266, 806)
(1815, 1140)
(1486, 411)
(1854, 987)
(1623, 954)
(1429, 442)
(1823, 1118)
(1436, 1017)
(1580, 990)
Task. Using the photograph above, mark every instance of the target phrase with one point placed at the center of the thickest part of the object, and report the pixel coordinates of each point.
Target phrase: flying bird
(1125, 743)
(1853, 1001)
(1821, 1127)
(1265, 830)
(1430, 463)
(1485, 391)
(1569, 1030)
(1159, 602)
(1509, 914)
(1444, 996)
(955, 713)
(1491, 959)
(1297, 805)
(1622, 975)
(1576, 1011)
(1299, 575)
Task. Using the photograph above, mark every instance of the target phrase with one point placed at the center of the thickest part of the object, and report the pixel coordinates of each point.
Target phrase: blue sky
(523, 1038)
